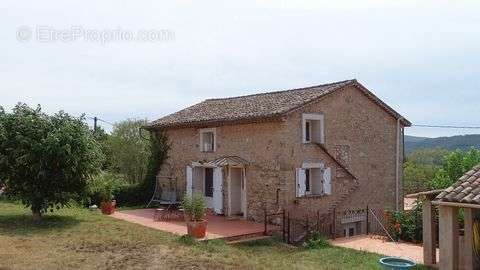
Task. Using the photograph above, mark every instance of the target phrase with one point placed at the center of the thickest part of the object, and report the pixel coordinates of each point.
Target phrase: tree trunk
(37, 216)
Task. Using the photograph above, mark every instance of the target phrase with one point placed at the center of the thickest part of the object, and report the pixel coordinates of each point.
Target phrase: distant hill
(463, 142)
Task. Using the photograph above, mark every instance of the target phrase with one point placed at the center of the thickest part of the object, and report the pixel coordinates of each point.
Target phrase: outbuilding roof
(465, 190)
(258, 107)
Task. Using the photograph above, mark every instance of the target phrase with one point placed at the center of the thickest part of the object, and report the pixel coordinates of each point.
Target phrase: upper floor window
(313, 128)
(308, 130)
(207, 140)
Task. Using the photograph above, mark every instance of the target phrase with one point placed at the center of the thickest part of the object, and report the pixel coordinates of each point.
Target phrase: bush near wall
(101, 183)
(132, 195)
(406, 225)
(140, 193)
(125, 192)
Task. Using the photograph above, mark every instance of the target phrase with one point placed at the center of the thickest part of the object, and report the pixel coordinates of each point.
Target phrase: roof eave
(217, 122)
(382, 104)
(455, 204)
(367, 92)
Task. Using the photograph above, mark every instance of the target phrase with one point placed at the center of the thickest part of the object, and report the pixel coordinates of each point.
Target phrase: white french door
(207, 185)
(208, 182)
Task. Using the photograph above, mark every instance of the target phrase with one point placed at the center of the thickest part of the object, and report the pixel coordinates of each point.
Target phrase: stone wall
(358, 133)
(362, 134)
(261, 144)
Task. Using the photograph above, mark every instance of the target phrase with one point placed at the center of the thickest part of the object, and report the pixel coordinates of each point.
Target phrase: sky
(420, 57)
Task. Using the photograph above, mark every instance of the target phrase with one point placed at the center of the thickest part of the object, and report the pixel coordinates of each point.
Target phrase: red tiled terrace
(218, 226)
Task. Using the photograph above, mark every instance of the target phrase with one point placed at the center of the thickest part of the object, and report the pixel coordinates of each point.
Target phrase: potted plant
(194, 209)
(107, 203)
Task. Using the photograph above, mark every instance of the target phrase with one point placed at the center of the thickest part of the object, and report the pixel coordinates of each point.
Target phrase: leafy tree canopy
(420, 168)
(45, 160)
(103, 139)
(456, 164)
(130, 147)
(427, 169)
(429, 157)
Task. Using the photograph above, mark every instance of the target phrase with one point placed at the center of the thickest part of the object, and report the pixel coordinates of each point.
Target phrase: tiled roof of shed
(465, 190)
(257, 107)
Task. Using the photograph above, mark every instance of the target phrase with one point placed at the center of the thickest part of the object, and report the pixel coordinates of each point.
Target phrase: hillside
(463, 142)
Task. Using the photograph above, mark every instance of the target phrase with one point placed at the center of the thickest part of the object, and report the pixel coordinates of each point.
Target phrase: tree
(159, 147)
(45, 160)
(103, 139)
(434, 157)
(456, 164)
(139, 193)
(130, 146)
(417, 176)
(420, 168)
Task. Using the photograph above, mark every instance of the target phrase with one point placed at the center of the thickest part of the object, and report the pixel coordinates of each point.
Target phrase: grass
(81, 239)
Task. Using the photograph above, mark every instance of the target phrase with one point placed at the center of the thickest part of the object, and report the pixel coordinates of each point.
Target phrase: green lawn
(80, 239)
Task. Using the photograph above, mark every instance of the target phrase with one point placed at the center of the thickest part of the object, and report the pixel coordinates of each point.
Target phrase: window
(313, 128)
(350, 229)
(313, 179)
(207, 140)
(307, 180)
(208, 182)
(307, 130)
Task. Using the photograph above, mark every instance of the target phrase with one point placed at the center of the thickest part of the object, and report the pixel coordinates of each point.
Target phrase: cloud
(420, 57)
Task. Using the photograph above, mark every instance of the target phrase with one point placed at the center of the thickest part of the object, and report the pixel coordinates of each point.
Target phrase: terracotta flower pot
(108, 208)
(197, 229)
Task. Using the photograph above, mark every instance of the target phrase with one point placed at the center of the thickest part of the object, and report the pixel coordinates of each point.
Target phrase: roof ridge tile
(286, 90)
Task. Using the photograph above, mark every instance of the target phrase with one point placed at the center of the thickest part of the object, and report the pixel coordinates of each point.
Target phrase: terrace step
(248, 239)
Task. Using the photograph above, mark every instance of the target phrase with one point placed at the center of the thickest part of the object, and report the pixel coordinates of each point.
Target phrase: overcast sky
(421, 57)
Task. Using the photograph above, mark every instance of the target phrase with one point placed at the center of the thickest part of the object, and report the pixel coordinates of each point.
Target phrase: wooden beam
(455, 204)
(429, 234)
(430, 195)
(469, 256)
(449, 232)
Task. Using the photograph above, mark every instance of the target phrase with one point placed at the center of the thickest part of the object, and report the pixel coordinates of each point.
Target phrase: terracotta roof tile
(465, 190)
(468, 198)
(476, 191)
(257, 107)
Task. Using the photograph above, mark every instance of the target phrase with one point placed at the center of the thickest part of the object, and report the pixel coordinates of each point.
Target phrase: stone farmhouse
(319, 148)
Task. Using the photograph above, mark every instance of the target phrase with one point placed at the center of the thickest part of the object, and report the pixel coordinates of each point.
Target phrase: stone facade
(359, 134)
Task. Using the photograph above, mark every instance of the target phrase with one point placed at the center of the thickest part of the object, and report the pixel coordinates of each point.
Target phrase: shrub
(140, 193)
(316, 241)
(194, 207)
(132, 195)
(104, 187)
(406, 225)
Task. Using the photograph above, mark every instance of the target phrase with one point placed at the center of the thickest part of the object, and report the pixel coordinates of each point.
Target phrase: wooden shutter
(327, 181)
(300, 182)
(217, 190)
(189, 181)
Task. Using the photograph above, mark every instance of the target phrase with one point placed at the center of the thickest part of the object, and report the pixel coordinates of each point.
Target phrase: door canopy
(226, 161)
